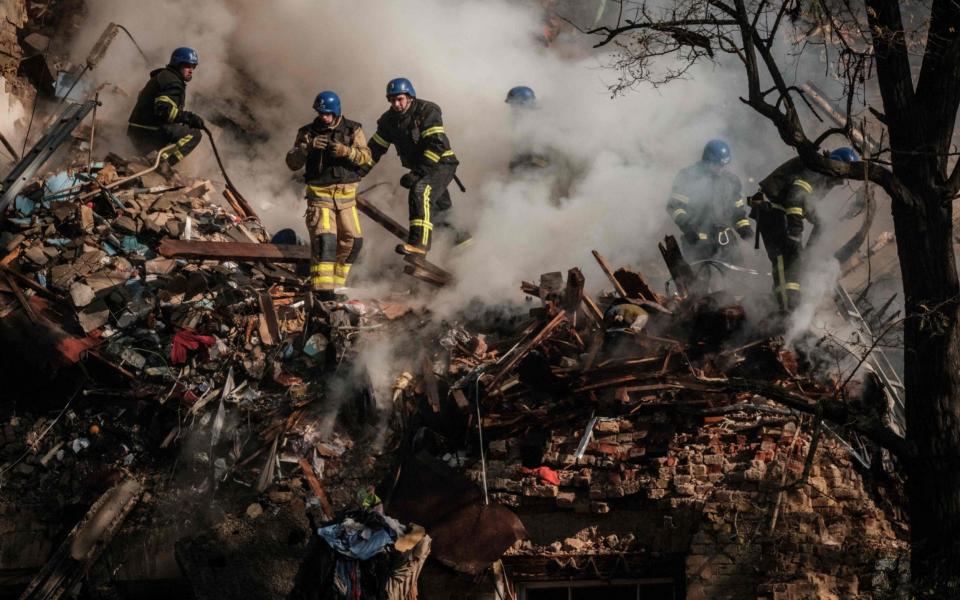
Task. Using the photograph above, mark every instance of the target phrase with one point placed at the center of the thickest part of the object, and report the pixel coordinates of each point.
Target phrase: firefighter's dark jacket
(323, 168)
(418, 135)
(703, 202)
(790, 189)
(161, 101)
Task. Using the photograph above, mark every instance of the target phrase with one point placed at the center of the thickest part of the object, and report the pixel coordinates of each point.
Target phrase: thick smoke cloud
(262, 63)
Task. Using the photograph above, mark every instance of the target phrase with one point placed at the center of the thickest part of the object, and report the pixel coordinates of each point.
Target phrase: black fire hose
(247, 208)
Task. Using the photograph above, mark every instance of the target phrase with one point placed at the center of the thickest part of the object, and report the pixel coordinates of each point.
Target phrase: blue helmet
(845, 154)
(400, 85)
(327, 102)
(521, 95)
(184, 56)
(716, 152)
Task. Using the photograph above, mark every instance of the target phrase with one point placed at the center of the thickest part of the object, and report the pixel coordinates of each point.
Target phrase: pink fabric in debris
(184, 340)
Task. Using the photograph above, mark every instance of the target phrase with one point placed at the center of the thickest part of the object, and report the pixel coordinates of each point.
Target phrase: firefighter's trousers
(335, 234)
(147, 139)
(428, 199)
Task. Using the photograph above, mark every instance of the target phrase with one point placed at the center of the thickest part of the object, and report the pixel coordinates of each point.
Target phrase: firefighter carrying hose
(415, 127)
(706, 205)
(334, 151)
(786, 198)
(159, 118)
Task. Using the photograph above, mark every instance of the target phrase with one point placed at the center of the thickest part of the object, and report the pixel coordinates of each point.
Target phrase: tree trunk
(932, 381)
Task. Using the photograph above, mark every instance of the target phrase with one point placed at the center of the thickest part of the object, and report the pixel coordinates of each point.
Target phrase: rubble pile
(638, 428)
(662, 430)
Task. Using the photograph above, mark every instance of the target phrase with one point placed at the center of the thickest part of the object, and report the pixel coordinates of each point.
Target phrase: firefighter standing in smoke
(415, 127)
(159, 119)
(334, 151)
(790, 191)
(706, 205)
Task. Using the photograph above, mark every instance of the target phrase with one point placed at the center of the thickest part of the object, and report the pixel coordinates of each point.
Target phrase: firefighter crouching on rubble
(334, 151)
(415, 127)
(785, 199)
(707, 206)
(159, 119)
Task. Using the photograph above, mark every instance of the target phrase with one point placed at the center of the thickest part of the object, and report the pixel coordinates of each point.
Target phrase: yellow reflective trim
(702, 236)
(679, 212)
(795, 210)
(356, 220)
(380, 141)
(174, 109)
(742, 223)
(431, 156)
(427, 225)
(325, 218)
(793, 287)
(324, 267)
(740, 203)
(435, 130)
(680, 198)
(321, 279)
(447, 153)
(805, 186)
(421, 223)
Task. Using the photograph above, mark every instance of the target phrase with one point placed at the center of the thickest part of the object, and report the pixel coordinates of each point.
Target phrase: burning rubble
(634, 435)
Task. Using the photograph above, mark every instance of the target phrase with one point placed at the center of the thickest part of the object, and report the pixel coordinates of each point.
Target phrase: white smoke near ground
(263, 63)
(274, 57)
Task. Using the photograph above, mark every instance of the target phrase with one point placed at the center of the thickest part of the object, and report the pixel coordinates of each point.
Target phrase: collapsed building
(181, 421)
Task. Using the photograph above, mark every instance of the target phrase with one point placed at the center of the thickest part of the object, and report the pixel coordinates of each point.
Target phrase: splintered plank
(526, 347)
(635, 285)
(605, 267)
(236, 251)
(382, 219)
(315, 486)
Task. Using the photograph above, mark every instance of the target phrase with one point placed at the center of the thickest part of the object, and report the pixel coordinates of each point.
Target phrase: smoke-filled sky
(274, 57)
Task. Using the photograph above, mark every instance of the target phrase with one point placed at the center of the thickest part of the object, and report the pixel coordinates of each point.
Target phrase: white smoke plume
(268, 60)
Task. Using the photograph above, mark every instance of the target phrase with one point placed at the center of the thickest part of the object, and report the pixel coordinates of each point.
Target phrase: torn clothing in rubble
(331, 176)
(185, 340)
(159, 119)
(362, 555)
(710, 212)
(790, 192)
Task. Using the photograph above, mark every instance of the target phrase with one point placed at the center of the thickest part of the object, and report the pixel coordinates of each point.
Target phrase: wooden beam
(381, 218)
(315, 487)
(239, 251)
(605, 267)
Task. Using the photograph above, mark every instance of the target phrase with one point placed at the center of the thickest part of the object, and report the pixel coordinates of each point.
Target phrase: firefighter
(532, 160)
(334, 151)
(415, 127)
(522, 100)
(785, 200)
(706, 205)
(159, 119)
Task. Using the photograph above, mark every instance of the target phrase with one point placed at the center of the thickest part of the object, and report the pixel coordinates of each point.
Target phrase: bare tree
(909, 56)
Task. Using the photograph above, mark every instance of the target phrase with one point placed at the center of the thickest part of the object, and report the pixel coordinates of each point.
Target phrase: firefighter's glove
(408, 180)
(320, 142)
(338, 149)
(691, 237)
(192, 120)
